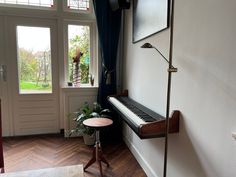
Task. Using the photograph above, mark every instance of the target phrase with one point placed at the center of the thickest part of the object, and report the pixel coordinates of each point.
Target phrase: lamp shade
(147, 45)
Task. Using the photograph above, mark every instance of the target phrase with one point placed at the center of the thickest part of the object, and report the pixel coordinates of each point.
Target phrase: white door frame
(6, 113)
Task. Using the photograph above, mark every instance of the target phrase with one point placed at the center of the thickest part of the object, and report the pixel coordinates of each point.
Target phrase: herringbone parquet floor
(35, 152)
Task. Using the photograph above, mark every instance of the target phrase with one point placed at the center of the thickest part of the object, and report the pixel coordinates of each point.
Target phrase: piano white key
(129, 114)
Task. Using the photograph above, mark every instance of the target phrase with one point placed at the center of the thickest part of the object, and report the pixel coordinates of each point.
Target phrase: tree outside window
(78, 37)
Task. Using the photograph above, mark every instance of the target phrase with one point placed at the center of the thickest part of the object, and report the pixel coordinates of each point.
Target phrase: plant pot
(89, 139)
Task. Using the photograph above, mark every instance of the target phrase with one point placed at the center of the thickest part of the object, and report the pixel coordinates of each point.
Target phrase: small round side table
(97, 123)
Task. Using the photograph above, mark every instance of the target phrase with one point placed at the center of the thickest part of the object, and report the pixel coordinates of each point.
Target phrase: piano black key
(141, 114)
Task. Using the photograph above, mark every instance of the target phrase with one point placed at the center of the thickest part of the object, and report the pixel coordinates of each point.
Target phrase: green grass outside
(33, 86)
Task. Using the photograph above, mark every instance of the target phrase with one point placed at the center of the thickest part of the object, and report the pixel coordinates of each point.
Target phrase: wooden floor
(26, 153)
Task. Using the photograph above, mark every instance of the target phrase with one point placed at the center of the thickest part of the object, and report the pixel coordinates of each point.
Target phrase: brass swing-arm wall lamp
(149, 46)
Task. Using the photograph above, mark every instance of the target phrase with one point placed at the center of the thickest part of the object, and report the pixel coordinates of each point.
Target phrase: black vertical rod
(169, 87)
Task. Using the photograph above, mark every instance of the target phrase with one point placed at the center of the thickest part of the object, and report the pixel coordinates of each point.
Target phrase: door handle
(3, 73)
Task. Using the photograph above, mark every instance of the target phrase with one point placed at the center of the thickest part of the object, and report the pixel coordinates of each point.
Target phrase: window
(76, 23)
(39, 3)
(34, 60)
(79, 54)
(78, 4)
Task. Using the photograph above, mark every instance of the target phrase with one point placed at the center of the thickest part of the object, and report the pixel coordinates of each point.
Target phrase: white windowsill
(80, 87)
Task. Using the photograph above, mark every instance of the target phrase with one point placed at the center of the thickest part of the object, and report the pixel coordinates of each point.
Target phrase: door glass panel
(34, 60)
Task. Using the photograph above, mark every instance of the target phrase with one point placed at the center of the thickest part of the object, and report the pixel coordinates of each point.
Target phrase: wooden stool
(97, 123)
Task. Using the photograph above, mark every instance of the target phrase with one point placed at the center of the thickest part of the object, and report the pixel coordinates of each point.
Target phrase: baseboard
(67, 133)
(142, 162)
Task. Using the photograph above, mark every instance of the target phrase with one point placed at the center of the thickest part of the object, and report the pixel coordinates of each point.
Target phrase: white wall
(204, 90)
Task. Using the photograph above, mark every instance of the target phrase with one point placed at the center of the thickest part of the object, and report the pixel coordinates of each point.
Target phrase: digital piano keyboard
(145, 122)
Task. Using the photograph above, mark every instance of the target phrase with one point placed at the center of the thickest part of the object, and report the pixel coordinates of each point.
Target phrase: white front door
(6, 122)
(32, 76)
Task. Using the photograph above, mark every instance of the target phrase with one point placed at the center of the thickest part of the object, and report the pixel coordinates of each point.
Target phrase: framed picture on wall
(149, 17)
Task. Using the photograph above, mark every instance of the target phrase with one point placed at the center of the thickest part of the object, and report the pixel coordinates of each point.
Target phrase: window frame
(66, 9)
(22, 6)
(93, 68)
(63, 17)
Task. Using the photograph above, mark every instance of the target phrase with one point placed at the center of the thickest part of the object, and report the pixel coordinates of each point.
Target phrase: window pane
(40, 3)
(34, 60)
(78, 4)
(78, 41)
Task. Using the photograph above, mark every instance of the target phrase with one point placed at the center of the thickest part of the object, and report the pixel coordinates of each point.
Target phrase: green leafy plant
(85, 112)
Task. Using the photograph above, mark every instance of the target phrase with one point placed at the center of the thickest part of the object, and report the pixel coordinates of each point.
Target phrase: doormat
(66, 171)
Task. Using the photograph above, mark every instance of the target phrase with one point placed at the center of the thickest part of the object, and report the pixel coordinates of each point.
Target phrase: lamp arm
(175, 69)
(160, 54)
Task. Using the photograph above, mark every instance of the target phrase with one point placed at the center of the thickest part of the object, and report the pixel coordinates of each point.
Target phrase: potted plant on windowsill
(85, 112)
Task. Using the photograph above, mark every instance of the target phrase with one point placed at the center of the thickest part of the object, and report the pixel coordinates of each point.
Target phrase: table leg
(97, 155)
(92, 160)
